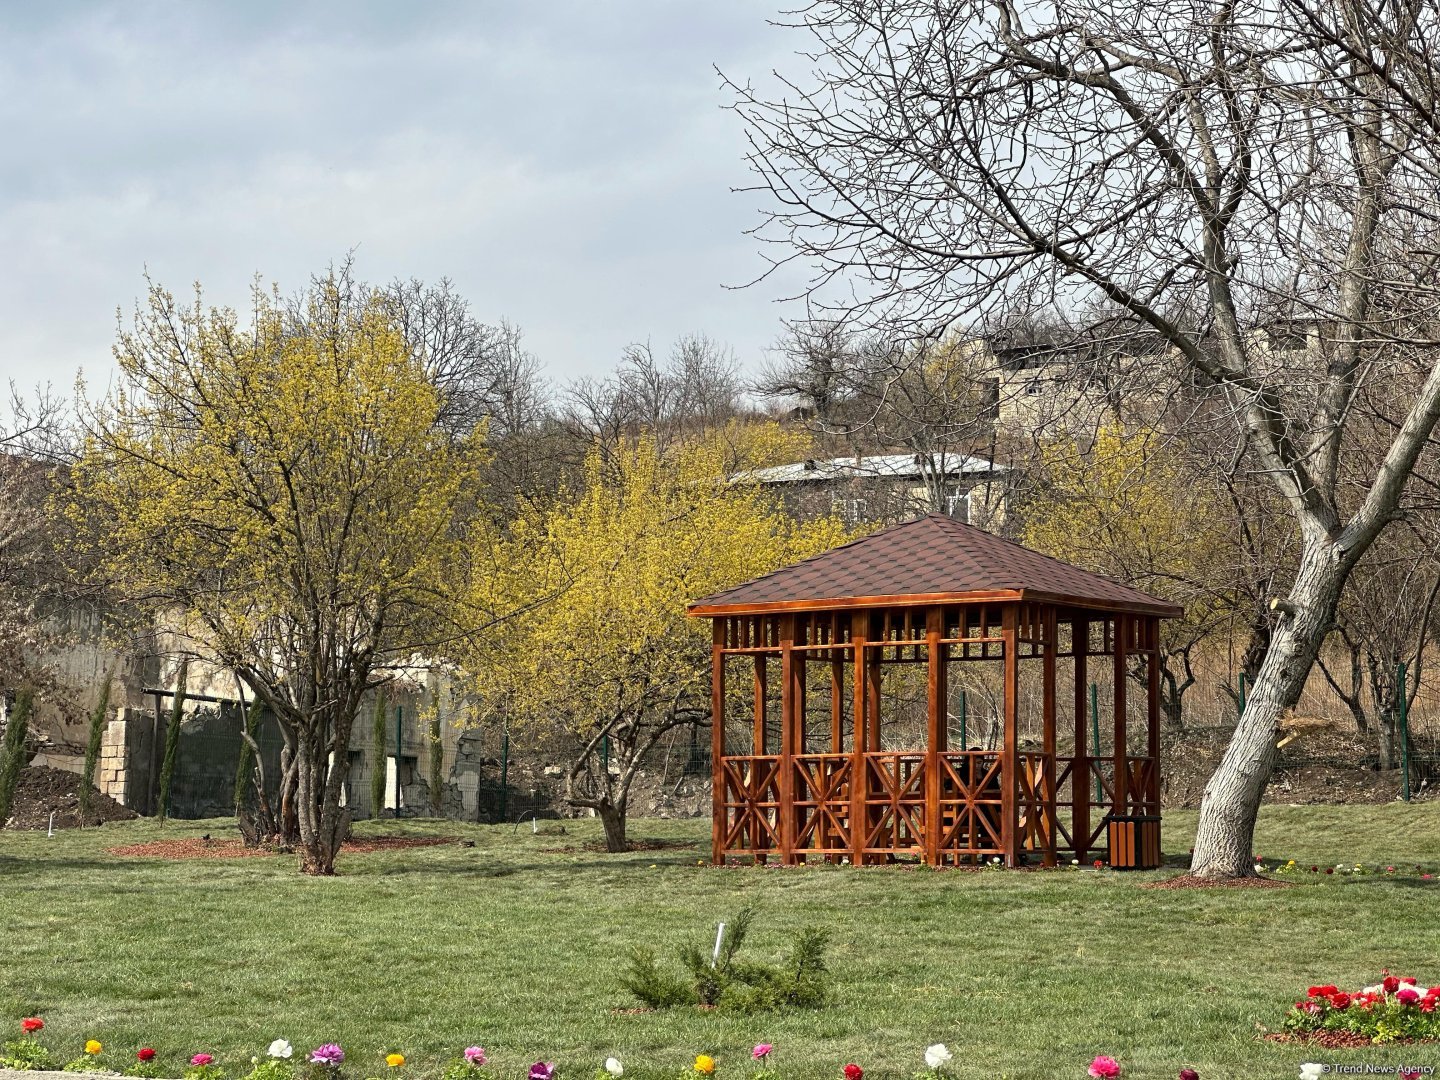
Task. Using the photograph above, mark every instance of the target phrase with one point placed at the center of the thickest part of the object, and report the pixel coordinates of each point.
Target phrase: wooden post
(757, 745)
(1122, 633)
(1080, 766)
(1009, 758)
(1047, 746)
(1152, 708)
(758, 748)
(859, 778)
(935, 730)
(719, 822)
(837, 702)
(788, 701)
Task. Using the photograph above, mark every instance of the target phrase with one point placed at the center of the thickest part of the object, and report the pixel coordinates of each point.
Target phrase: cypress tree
(12, 750)
(92, 748)
(172, 740)
(377, 760)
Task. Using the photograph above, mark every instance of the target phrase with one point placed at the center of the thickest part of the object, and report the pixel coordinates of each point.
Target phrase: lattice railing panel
(894, 803)
(751, 803)
(970, 803)
(822, 803)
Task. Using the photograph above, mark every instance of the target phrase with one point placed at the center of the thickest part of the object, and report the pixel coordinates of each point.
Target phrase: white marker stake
(534, 826)
(719, 937)
(51, 834)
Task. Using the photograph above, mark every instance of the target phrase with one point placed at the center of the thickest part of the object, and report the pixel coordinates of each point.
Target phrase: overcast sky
(566, 164)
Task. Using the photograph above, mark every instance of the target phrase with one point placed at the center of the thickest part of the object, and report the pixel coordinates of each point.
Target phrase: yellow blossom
(92, 1046)
(704, 1063)
(394, 1060)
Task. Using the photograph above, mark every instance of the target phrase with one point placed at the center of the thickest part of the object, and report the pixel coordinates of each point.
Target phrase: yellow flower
(394, 1060)
(704, 1063)
(92, 1046)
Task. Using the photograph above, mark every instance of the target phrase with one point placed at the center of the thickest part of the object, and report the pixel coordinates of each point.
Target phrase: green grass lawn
(517, 946)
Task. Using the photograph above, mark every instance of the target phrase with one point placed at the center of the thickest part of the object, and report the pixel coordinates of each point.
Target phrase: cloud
(568, 165)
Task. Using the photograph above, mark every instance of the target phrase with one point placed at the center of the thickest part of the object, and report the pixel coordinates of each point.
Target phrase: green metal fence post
(399, 735)
(1095, 738)
(1404, 732)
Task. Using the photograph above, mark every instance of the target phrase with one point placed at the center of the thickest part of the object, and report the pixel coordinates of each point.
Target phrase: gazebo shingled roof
(932, 559)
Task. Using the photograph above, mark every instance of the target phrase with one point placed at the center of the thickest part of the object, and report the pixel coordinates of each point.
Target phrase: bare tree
(935, 400)
(695, 389)
(1252, 180)
(31, 443)
(1387, 618)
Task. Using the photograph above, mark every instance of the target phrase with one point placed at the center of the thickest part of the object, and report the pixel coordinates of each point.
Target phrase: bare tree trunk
(612, 817)
(1224, 841)
(321, 766)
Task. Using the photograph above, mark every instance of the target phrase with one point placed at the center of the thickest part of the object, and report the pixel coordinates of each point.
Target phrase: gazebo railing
(893, 803)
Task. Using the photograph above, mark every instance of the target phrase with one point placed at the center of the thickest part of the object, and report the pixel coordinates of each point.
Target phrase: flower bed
(1396, 1009)
(328, 1062)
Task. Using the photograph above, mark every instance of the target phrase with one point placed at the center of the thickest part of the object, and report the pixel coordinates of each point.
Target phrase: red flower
(1189, 1074)
(1427, 1005)
(1339, 1001)
(145, 1054)
(31, 1024)
(854, 1072)
(1314, 991)
(1329, 869)
(1329, 990)
(1391, 984)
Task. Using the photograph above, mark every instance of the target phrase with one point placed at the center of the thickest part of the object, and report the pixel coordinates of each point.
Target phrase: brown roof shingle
(933, 556)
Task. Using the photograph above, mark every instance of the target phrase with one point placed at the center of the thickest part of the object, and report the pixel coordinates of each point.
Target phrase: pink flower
(327, 1054)
(761, 1051)
(1104, 1068)
(1406, 995)
(202, 1060)
(1189, 1074)
(542, 1070)
(475, 1055)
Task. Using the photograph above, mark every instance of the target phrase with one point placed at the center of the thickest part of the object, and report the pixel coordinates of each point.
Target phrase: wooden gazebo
(840, 683)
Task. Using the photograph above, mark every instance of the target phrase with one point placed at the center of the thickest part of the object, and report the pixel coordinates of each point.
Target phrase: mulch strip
(1332, 1040)
(197, 848)
(1190, 881)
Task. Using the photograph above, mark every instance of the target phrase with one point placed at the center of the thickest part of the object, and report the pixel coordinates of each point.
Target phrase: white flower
(613, 1067)
(280, 1049)
(937, 1056)
(1311, 1071)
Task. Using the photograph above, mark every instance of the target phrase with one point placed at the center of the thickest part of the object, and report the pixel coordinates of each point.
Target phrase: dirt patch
(42, 790)
(1332, 1040)
(200, 848)
(1189, 881)
(1315, 769)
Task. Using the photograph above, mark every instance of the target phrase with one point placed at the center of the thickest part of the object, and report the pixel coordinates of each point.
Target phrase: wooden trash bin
(1134, 841)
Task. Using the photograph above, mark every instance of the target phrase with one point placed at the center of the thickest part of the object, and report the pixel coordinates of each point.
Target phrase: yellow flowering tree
(604, 647)
(284, 493)
(1131, 507)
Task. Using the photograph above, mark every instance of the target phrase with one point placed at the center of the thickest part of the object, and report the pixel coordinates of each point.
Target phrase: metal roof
(876, 466)
(932, 559)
